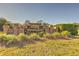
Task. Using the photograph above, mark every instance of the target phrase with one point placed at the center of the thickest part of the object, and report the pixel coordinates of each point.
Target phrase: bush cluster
(34, 36)
(72, 28)
(11, 39)
(22, 36)
(57, 35)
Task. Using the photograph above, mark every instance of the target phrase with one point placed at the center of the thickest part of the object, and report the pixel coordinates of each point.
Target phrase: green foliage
(72, 28)
(56, 35)
(8, 38)
(41, 34)
(2, 33)
(47, 35)
(78, 32)
(65, 34)
(2, 36)
(22, 36)
(34, 36)
(2, 22)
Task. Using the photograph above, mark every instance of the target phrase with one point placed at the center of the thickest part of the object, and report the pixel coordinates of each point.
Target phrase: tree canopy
(2, 22)
(72, 28)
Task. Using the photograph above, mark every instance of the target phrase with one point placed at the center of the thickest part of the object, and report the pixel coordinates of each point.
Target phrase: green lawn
(47, 48)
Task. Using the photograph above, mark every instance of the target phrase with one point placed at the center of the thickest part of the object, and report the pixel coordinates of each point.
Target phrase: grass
(47, 48)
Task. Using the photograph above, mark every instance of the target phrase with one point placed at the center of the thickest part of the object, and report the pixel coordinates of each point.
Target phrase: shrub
(2, 37)
(65, 33)
(72, 28)
(2, 33)
(56, 35)
(78, 32)
(34, 36)
(22, 36)
(47, 35)
(9, 38)
(5, 40)
(41, 34)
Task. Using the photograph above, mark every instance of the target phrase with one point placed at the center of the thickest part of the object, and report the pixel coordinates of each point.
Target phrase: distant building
(38, 27)
(34, 27)
(15, 29)
(6, 28)
(28, 28)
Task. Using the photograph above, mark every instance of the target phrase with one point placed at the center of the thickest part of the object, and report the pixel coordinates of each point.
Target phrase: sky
(51, 13)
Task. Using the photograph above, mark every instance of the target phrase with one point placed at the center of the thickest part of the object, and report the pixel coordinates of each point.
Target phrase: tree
(72, 28)
(65, 33)
(2, 22)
